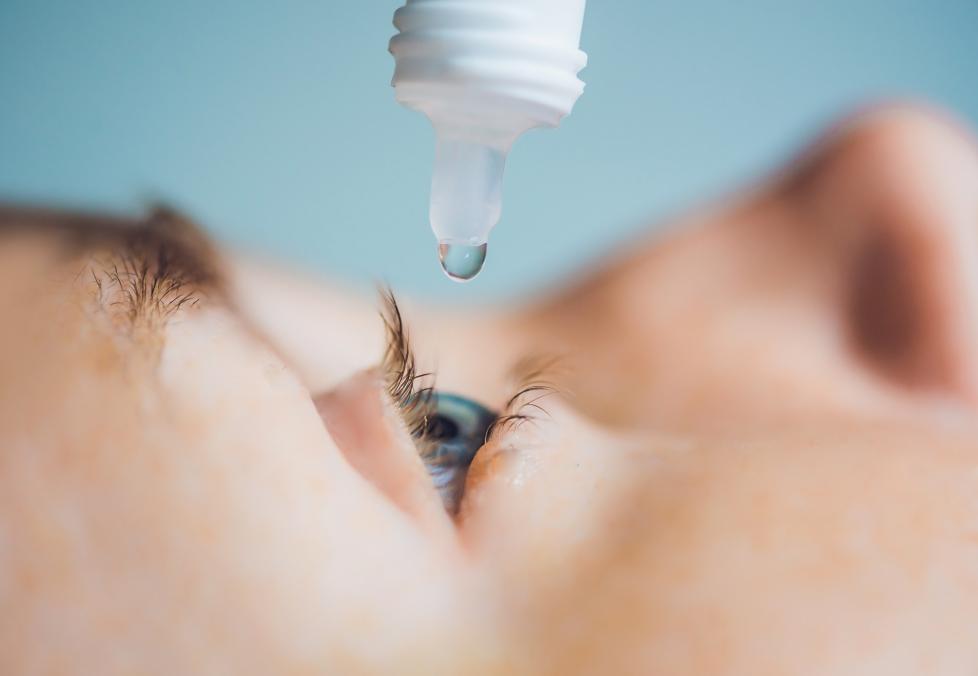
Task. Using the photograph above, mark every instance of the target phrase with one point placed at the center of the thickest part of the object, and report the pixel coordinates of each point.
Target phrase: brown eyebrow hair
(145, 268)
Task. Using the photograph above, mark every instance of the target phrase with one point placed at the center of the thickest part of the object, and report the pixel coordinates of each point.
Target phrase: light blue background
(274, 123)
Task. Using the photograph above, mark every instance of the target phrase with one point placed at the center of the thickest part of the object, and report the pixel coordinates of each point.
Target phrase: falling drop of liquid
(461, 262)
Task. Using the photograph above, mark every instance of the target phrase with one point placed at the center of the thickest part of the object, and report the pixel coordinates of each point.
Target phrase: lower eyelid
(500, 458)
(519, 450)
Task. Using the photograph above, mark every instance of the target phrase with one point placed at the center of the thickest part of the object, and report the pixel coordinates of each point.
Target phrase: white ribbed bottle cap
(489, 59)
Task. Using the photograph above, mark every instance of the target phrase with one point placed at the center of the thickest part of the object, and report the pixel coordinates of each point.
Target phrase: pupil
(441, 428)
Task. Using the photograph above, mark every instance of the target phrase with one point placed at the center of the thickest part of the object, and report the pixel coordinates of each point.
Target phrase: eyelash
(403, 382)
(533, 375)
(414, 401)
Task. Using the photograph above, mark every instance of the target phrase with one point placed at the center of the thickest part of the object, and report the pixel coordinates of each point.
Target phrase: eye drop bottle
(484, 72)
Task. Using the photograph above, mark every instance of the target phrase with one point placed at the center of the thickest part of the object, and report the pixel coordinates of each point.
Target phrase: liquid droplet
(461, 262)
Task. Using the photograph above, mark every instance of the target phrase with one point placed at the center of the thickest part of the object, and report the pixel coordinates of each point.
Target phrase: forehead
(129, 379)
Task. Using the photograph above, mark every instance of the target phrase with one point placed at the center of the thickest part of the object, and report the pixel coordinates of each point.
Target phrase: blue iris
(456, 430)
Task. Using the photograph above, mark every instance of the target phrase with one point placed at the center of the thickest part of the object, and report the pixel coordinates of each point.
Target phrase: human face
(760, 456)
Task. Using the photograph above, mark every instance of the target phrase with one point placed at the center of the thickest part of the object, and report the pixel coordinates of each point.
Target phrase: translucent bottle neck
(466, 195)
(466, 189)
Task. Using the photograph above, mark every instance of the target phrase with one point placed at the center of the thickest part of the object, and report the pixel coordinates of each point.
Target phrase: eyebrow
(145, 269)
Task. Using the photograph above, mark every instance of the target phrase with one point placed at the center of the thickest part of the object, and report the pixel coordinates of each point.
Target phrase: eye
(455, 429)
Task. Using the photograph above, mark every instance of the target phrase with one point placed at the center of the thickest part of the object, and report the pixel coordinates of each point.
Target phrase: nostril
(886, 316)
(893, 195)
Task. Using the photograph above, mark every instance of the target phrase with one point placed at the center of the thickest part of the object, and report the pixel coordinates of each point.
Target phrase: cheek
(768, 557)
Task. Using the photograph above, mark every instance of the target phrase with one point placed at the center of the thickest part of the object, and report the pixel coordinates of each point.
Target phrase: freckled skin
(764, 459)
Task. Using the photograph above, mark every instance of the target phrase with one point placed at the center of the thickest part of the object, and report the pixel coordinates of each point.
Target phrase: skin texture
(762, 457)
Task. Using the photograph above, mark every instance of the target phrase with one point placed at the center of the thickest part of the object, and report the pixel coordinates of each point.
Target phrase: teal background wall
(274, 123)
